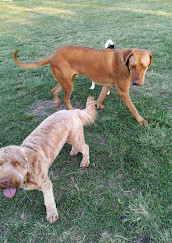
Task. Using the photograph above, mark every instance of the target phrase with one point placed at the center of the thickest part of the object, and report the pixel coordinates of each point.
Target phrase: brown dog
(105, 67)
(26, 166)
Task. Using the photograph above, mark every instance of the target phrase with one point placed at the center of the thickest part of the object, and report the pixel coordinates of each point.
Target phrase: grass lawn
(125, 194)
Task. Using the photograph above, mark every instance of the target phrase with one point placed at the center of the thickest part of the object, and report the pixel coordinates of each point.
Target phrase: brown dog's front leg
(102, 96)
(47, 189)
(126, 98)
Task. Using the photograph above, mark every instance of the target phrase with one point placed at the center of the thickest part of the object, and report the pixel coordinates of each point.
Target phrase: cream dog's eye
(15, 163)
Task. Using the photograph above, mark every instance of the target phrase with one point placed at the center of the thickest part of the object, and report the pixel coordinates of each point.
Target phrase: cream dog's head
(137, 61)
(13, 169)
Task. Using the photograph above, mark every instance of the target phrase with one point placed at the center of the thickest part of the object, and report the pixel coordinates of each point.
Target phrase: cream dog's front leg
(47, 189)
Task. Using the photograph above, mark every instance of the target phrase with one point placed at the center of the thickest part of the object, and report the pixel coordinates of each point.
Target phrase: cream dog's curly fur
(26, 166)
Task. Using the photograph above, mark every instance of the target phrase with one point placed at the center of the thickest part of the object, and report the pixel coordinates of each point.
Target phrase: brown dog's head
(137, 61)
(13, 169)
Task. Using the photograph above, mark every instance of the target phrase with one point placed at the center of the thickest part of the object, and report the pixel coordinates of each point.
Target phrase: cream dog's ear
(127, 55)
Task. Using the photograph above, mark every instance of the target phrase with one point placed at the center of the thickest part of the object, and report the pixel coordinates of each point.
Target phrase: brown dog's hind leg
(55, 91)
(102, 96)
(65, 81)
(126, 98)
(68, 88)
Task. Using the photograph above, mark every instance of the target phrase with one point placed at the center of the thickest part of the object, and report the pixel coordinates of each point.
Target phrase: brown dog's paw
(143, 122)
(100, 107)
(52, 216)
(57, 103)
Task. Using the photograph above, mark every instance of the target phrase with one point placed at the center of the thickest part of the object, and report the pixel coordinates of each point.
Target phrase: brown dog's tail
(88, 115)
(30, 65)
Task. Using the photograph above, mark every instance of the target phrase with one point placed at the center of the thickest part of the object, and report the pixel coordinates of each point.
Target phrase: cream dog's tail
(88, 115)
(30, 65)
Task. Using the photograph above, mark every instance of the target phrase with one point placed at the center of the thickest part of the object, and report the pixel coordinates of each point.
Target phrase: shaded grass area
(125, 194)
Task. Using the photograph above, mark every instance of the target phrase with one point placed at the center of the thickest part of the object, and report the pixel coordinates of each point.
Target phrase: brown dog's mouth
(10, 191)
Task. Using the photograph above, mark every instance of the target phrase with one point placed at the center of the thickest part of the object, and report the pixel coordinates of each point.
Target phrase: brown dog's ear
(151, 57)
(127, 55)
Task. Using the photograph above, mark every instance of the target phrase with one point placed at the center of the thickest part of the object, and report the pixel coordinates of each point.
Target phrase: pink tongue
(10, 192)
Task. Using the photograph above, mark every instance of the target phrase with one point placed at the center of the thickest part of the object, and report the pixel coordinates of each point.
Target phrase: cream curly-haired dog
(26, 166)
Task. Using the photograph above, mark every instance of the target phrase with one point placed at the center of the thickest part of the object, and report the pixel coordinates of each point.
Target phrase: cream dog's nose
(4, 182)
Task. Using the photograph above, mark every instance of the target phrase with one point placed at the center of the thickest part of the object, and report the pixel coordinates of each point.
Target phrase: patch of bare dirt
(102, 139)
(45, 108)
(142, 238)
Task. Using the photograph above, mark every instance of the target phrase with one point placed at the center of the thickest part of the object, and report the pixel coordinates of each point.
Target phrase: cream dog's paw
(73, 152)
(84, 163)
(52, 216)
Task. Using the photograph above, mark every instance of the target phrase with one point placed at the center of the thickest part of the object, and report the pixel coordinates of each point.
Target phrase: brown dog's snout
(4, 182)
(136, 81)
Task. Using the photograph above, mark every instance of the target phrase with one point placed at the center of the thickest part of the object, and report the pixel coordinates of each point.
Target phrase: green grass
(125, 194)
